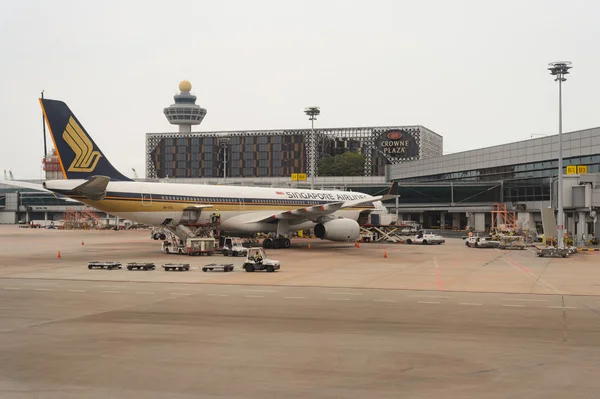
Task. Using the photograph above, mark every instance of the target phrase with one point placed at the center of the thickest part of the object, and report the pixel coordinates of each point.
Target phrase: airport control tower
(185, 112)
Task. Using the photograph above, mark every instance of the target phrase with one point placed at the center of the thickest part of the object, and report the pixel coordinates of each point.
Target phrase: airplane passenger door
(146, 197)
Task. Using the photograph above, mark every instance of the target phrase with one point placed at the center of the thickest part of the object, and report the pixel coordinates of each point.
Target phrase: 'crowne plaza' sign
(398, 144)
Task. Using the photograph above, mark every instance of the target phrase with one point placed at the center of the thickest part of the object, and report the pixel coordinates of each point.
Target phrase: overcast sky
(472, 71)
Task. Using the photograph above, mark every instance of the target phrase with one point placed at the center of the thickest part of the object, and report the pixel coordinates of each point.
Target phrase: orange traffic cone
(82, 243)
(384, 254)
(308, 246)
(58, 256)
(358, 245)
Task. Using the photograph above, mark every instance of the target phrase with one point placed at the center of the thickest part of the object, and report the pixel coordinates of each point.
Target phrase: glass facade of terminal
(246, 156)
(508, 183)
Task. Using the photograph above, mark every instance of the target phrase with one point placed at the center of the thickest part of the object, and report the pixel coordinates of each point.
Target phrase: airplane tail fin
(79, 156)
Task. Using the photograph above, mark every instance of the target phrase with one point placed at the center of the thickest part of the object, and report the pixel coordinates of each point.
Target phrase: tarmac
(335, 322)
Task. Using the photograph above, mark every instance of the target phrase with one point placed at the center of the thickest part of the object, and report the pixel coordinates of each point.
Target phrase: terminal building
(274, 153)
(461, 189)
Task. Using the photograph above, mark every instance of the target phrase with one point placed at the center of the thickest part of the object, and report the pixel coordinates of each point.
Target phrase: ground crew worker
(215, 216)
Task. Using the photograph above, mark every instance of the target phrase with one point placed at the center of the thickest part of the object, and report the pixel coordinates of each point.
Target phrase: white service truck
(232, 246)
(425, 238)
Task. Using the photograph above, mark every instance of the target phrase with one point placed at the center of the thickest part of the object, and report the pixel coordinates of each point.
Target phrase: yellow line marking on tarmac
(111, 292)
(145, 293)
(294, 297)
(254, 296)
(76, 290)
(562, 307)
(42, 289)
(217, 294)
(433, 303)
(338, 299)
(429, 296)
(384, 300)
(471, 304)
(514, 306)
(11, 288)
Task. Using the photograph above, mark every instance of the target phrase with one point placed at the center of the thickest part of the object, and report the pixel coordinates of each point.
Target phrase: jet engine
(338, 230)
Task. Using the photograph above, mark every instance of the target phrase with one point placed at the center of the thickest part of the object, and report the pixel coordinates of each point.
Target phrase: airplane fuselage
(242, 209)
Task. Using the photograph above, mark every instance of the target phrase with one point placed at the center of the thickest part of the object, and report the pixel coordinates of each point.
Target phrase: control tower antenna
(185, 112)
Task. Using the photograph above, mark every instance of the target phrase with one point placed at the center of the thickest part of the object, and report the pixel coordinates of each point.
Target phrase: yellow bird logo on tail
(86, 158)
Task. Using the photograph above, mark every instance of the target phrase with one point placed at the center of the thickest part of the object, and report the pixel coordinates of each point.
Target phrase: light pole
(223, 143)
(560, 69)
(312, 113)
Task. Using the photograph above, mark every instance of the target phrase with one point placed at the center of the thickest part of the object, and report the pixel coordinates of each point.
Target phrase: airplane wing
(314, 212)
(36, 187)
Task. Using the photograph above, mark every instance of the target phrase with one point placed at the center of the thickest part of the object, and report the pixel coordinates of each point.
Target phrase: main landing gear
(276, 243)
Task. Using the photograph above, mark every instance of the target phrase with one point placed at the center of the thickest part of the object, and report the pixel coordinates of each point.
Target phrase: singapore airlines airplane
(90, 178)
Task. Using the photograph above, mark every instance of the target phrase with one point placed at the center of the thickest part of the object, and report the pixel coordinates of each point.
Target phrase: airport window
(182, 142)
(235, 140)
(208, 156)
(181, 172)
(181, 157)
(234, 155)
(168, 157)
(168, 142)
(249, 156)
(181, 165)
(195, 141)
(249, 140)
